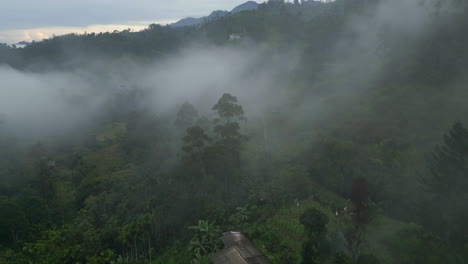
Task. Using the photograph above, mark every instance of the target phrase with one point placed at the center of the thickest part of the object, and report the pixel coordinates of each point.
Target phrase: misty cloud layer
(45, 102)
(200, 74)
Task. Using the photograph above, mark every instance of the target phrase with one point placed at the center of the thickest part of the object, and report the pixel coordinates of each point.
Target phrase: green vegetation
(346, 161)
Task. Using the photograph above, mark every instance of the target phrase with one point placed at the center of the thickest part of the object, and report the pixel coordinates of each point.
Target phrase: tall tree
(228, 108)
(195, 141)
(227, 124)
(224, 154)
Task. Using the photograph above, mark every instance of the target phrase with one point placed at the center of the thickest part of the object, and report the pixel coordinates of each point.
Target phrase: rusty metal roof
(238, 250)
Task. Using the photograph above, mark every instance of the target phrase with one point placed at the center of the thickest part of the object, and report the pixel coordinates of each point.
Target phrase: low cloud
(51, 102)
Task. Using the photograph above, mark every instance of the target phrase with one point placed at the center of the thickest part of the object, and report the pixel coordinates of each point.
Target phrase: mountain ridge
(192, 21)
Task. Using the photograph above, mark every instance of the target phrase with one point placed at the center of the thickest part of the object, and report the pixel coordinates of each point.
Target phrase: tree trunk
(136, 250)
(149, 247)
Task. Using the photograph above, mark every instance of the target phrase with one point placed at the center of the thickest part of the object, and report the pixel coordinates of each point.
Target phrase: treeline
(128, 193)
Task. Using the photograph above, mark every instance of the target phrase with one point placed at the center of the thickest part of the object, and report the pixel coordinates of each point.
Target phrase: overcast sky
(37, 19)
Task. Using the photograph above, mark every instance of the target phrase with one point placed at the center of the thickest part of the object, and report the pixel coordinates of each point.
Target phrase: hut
(238, 250)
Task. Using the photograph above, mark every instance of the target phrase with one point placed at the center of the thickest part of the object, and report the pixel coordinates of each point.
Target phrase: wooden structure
(238, 250)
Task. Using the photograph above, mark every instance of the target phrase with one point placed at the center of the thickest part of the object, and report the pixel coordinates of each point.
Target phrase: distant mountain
(247, 6)
(191, 21)
(23, 43)
(216, 14)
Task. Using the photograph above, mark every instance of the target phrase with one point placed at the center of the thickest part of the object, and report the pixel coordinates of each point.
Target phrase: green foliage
(242, 215)
(341, 258)
(13, 222)
(104, 257)
(123, 196)
(72, 243)
(314, 222)
(8, 256)
(195, 141)
(367, 259)
(205, 242)
(112, 133)
(447, 186)
(315, 245)
(414, 245)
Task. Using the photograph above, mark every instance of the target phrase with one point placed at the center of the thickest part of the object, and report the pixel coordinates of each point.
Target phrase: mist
(53, 102)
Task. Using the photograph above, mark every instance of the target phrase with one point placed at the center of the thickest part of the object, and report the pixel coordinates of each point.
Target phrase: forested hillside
(326, 132)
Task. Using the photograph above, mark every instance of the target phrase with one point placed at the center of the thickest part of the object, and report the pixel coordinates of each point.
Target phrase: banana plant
(205, 241)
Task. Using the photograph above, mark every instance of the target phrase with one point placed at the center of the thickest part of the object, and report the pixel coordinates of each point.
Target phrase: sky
(38, 19)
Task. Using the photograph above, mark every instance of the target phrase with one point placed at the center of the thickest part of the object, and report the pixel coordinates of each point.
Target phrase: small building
(237, 250)
(234, 37)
